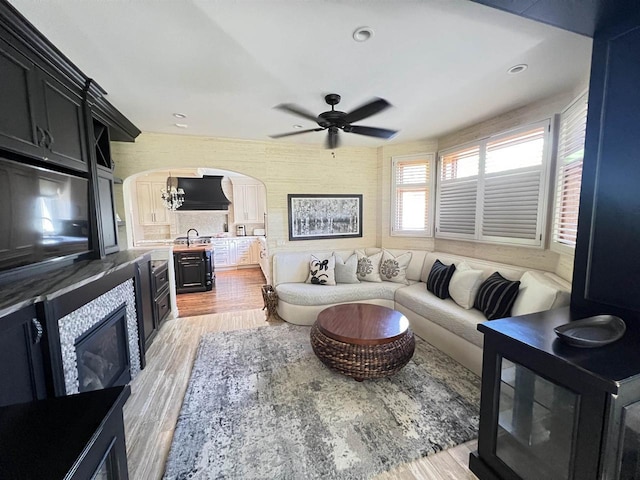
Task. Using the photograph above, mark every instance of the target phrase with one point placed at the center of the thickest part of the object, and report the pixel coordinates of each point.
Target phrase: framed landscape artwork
(312, 217)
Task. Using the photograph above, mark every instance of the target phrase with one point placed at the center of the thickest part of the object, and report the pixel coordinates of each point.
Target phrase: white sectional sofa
(443, 323)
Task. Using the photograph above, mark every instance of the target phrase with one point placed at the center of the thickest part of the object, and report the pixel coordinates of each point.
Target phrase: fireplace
(553, 411)
(99, 341)
(102, 353)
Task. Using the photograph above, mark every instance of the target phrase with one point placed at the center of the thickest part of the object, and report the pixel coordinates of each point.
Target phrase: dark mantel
(28, 291)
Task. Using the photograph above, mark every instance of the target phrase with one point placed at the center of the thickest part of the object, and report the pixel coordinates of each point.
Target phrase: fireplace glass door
(536, 423)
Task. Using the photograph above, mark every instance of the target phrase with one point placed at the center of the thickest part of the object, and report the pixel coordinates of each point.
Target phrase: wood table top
(362, 323)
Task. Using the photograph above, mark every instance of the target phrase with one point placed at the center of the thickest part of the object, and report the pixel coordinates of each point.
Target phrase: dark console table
(553, 411)
(74, 437)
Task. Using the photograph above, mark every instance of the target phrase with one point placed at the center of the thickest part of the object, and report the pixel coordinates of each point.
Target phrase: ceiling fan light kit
(334, 120)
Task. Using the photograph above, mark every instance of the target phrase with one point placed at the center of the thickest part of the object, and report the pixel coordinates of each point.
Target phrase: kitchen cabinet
(151, 210)
(41, 117)
(247, 252)
(22, 370)
(194, 271)
(249, 203)
(223, 252)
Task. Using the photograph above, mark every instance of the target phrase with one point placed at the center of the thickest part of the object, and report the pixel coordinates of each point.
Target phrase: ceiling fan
(335, 120)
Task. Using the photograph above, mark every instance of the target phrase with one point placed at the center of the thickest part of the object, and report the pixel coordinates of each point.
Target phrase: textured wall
(284, 168)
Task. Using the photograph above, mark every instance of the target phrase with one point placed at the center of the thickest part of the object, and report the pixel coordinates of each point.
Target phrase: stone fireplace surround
(80, 321)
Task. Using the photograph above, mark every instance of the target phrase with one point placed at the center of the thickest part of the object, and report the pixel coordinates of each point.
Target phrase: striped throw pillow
(439, 278)
(496, 296)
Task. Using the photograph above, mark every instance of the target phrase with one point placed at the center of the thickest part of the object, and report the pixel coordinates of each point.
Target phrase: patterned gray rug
(260, 405)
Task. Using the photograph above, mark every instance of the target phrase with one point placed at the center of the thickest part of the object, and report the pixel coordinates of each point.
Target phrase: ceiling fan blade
(366, 110)
(297, 132)
(333, 140)
(301, 112)
(372, 131)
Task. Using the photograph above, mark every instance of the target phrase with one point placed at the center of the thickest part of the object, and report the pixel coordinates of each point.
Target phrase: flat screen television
(44, 215)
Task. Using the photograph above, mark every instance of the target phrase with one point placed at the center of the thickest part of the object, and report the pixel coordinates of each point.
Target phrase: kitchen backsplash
(208, 222)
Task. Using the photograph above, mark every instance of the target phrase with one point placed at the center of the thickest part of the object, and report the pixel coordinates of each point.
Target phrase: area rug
(260, 405)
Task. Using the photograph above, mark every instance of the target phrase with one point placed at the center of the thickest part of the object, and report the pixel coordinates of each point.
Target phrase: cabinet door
(22, 371)
(63, 125)
(107, 216)
(221, 253)
(17, 117)
(190, 272)
(239, 211)
(151, 210)
(243, 252)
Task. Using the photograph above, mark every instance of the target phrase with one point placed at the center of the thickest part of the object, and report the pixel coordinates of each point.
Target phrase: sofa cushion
(322, 271)
(496, 296)
(464, 285)
(445, 313)
(369, 266)
(307, 294)
(394, 268)
(538, 293)
(439, 278)
(346, 270)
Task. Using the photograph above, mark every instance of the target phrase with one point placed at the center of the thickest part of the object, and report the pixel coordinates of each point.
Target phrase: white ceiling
(227, 63)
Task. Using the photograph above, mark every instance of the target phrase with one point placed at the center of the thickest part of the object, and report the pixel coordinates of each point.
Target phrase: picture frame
(318, 216)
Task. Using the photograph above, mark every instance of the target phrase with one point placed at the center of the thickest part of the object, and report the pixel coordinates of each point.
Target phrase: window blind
(494, 189)
(412, 191)
(513, 169)
(573, 122)
(457, 194)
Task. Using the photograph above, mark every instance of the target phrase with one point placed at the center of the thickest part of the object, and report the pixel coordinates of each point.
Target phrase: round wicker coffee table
(362, 340)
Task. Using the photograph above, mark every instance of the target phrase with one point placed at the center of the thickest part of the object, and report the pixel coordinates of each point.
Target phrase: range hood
(203, 193)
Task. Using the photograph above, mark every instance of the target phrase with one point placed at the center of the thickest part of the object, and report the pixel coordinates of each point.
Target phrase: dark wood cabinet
(22, 370)
(75, 437)
(154, 300)
(193, 271)
(106, 212)
(41, 117)
(18, 83)
(607, 268)
(160, 289)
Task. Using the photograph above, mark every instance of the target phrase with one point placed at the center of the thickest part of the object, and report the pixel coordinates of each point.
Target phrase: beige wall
(288, 168)
(284, 168)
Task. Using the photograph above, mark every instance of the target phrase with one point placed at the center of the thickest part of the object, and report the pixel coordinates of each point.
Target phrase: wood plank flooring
(151, 412)
(234, 290)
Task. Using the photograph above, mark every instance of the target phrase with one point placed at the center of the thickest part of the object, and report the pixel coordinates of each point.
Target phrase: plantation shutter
(412, 179)
(457, 194)
(573, 122)
(512, 180)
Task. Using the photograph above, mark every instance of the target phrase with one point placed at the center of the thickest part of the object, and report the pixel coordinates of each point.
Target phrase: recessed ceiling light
(179, 115)
(362, 34)
(181, 125)
(517, 69)
(297, 126)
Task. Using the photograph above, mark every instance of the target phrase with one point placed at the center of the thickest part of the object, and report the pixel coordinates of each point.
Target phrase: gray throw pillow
(369, 266)
(346, 271)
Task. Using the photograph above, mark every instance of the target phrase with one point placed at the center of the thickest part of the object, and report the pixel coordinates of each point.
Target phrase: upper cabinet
(151, 210)
(249, 202)
(41, 117)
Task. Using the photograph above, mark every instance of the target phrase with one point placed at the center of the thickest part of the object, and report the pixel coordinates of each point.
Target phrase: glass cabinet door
(536, 424)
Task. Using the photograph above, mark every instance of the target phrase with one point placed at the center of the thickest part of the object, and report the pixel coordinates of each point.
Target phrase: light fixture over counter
(172, 195)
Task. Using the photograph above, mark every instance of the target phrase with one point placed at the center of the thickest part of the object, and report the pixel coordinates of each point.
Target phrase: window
(411, 198)
(493, 190)
(573, 122)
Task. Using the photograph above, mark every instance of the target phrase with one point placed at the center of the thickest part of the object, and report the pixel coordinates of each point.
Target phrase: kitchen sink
(192, 241)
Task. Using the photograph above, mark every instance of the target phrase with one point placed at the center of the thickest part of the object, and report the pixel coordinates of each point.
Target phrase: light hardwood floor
(151, 412)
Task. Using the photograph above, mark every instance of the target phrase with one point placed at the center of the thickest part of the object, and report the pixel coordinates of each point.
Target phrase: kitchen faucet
(189, 231)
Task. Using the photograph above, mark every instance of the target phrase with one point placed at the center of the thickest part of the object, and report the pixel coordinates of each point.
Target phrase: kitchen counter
(192, 248)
